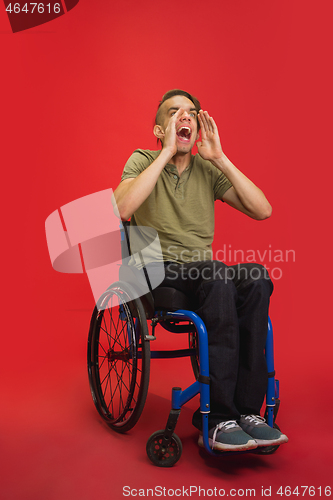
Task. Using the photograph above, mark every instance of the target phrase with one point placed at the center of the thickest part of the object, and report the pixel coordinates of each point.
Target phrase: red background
(78, 96)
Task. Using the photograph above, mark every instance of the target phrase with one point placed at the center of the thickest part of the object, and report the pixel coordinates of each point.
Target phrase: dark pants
(233, 303)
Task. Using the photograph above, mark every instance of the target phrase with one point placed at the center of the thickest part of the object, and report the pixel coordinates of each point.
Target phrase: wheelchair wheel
(164, 455)
(119, 357)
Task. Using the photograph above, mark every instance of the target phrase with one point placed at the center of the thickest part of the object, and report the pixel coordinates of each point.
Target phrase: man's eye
(193, 115)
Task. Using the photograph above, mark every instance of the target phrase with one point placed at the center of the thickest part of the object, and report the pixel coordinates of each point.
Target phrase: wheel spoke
(116, 339)
(120, 379)
(106, 387)
(100, 345)
(113, 394)
(102, 363)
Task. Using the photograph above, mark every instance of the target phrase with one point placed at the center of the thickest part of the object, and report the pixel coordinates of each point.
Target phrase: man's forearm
(129, 196)
(251, 197)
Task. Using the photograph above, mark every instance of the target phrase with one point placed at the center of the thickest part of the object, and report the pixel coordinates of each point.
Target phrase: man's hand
(169, 135)
(209, 147)
(243, 195)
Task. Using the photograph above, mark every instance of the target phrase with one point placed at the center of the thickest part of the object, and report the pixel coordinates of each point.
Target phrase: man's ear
(158, 132)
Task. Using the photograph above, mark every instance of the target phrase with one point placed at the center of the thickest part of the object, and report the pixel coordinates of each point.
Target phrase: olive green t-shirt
(180, 208)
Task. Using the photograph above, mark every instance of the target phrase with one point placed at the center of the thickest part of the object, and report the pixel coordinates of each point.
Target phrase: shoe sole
(272, 442)
(250, 445)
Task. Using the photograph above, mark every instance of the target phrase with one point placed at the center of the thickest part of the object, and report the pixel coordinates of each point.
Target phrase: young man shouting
(174, 192)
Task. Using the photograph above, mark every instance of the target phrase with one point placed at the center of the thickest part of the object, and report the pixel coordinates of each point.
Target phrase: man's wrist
(223, 164)
(167, 154)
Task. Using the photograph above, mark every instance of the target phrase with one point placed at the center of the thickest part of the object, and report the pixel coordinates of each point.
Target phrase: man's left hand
(209, 147)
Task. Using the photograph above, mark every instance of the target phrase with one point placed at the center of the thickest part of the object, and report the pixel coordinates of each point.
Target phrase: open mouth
(184, 133)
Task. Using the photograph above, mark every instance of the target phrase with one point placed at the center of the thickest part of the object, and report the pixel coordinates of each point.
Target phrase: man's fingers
(172, 123)
(202, 119)
(203, 124)
(209, 122)
(180, 111)
(205, 120)
(215, 129)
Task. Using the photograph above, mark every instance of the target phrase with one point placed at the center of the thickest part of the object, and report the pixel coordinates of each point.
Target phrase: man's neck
(181, 161)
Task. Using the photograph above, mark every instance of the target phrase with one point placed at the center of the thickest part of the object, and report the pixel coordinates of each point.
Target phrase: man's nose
(185, 116)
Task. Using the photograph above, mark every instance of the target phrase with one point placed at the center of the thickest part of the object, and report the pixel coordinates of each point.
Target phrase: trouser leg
(254, 289)
(233, 303)
(215, 295)
(218, 296)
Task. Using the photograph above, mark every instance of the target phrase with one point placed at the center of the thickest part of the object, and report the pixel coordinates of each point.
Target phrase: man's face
(186, 125)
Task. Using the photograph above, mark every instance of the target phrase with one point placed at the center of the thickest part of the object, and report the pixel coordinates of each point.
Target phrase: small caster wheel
(164, 455)
(268, 450)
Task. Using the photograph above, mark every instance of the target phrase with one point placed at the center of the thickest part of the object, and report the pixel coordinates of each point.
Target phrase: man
(174, 192)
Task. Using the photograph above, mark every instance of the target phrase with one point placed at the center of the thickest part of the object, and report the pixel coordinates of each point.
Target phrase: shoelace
(256, 419)
(229, 424)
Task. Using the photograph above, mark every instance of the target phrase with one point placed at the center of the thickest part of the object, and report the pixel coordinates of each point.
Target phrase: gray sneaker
(228, 436)
(264, 435)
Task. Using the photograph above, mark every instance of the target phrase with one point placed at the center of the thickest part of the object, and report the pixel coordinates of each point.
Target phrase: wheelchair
(119, 361)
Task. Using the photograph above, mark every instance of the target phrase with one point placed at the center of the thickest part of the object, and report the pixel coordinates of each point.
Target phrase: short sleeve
(137, 163)
(222, 184)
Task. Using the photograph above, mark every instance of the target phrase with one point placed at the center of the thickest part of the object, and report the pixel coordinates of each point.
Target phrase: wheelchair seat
(171, 299)
(160, 298)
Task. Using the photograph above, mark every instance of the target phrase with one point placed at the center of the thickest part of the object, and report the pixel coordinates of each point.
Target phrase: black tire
(193, 344)
(268, 450)
(164, 455)
(119, 357)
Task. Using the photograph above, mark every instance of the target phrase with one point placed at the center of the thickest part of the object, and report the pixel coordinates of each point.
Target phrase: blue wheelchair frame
(201, 386)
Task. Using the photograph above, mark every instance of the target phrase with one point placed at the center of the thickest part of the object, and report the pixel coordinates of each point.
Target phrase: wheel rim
(117, 359)
(167, 453)
(164, 454)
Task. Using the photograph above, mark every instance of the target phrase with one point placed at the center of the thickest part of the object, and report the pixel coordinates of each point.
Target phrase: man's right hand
(169, 136)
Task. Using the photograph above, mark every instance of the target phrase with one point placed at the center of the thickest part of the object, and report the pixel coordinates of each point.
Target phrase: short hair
(173, 93)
